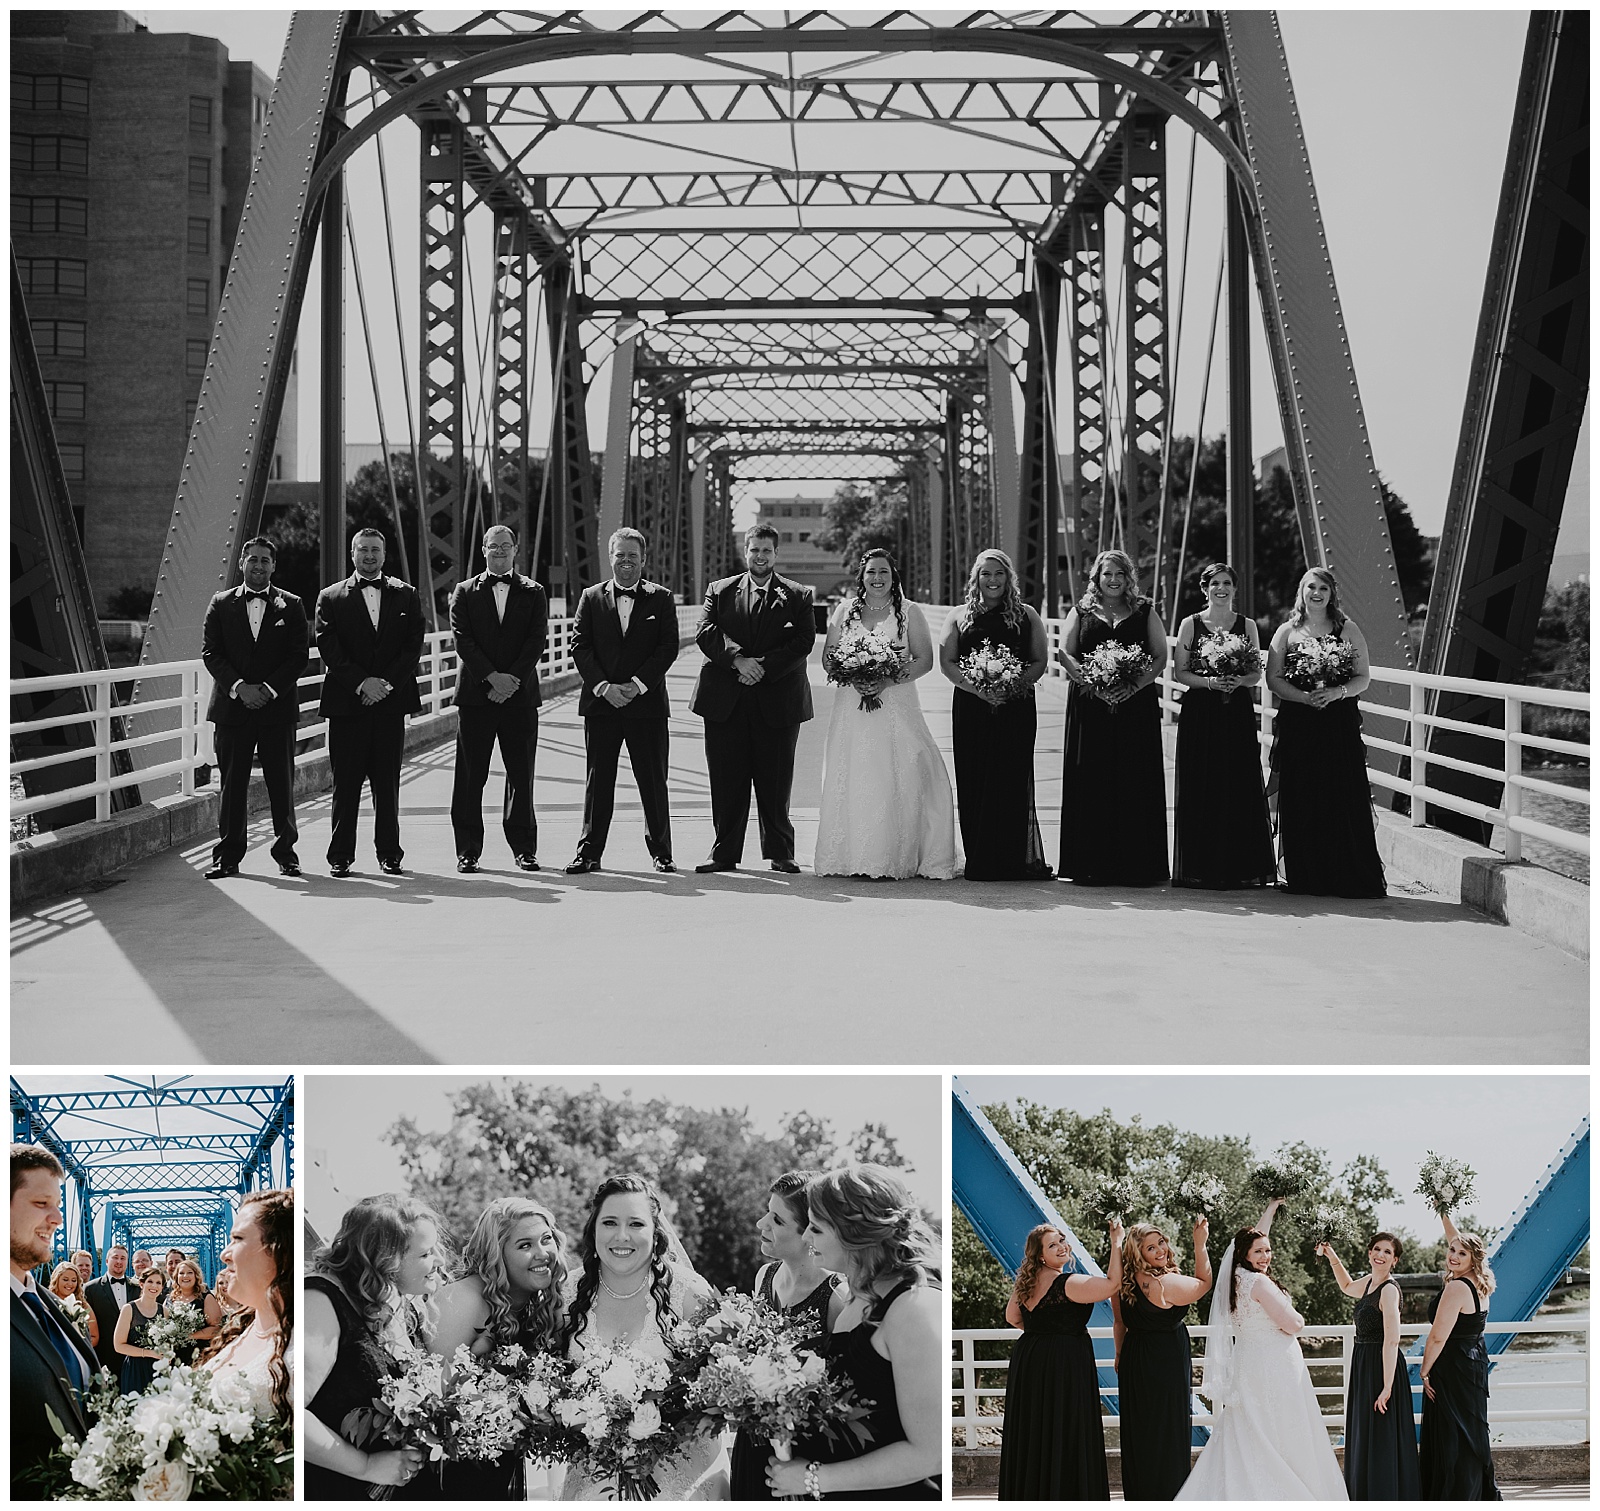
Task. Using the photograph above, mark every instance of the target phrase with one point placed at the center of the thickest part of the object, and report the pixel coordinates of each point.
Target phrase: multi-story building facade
(797, 521)
(130, 157)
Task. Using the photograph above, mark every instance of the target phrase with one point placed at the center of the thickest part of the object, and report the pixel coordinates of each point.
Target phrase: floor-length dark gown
(993, 749)
(1222, 834)
(1113, 788)
(1380, 1447)
(352, 1385)
(1054, 1447)
(1153, 1376)
(1325, 825)
(1456, 1462)
(137, 1373)
(747, 1466)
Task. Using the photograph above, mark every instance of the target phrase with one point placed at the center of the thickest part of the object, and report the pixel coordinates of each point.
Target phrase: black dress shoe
(289, 868)
(467, 864)
(664, 863)
(706, 866)
(788, 867)
(340, 868)
(390, 868)
(582, 866)
(531, 863)
(217, 872)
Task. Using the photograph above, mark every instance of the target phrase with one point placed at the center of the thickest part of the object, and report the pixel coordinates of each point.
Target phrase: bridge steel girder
(571, 488)
(1039, 487)
(1526, 396)
(511, 346)
(1085, 287)
(442, 311)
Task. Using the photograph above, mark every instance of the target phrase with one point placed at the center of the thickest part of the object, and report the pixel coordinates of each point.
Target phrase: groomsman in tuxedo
(756, 631)
(624, 641)
(106, 1297)
(500, 619)
(369, 631)
(255, 644)
(51, 1361)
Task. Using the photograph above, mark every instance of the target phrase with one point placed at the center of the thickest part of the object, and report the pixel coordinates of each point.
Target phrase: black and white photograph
(1015, 486)
(642, 1287)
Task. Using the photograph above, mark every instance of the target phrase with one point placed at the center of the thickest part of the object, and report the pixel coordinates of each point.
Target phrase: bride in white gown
(1269, 1442)
(887, 808)
(252, 1372)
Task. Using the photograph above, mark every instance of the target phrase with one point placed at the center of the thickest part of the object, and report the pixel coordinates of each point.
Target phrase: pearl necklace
(619, 1295)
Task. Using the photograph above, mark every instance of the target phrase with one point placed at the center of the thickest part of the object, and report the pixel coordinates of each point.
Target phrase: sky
(1507, 1128)
(345, 1118)
(1407, 117)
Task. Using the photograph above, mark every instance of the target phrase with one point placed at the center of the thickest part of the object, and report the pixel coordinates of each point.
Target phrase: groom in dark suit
(255, 645)
(624, 641)
(500, 620)
(756, 630)
(369, 631)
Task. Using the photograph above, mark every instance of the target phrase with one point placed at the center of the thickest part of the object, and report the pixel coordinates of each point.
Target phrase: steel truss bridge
(929, 253)
(146, 1186)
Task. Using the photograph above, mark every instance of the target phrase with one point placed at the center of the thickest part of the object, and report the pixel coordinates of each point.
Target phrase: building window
(59, 338)
(805, 535)
(200, 114)
(786, 510)
(199, 175)
(47, 214)
(194, 355)
(50, 91)
(65, 400)
(71, 461)
(53, 275)
(788, 537)
(199, 296)
(50, 154)
(200, 234)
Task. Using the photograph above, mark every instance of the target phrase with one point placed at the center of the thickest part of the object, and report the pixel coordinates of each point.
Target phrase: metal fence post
(1419, 753)
(1512, 802)
(186, 750)
(102, 749)
(436, 674)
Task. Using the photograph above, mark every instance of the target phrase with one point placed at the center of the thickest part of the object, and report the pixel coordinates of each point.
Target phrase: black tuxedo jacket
(104, 1304)
(39, 1380)
(780, 637)
(604, 654)
(352, 650)
(277, 656)
(486, 643)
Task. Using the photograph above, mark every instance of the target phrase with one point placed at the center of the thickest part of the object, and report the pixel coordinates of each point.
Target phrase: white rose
(169, 1481)
(646, 1421)
(571, 1413)
(536, 1396)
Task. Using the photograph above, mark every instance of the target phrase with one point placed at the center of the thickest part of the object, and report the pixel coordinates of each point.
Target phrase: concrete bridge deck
(631, 967)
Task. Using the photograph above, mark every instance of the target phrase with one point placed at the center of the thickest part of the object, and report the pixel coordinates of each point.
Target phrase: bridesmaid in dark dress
(792, 1281)
(1380, 1428)
(383, 1252)
(131, 1337)
(1456, 1462)
(1154, 1361)
(1222, 834)
(1113, 785)
(887, 1341)
(1054, 1446)
(188, 1288)
(510, 1292)
(992, 741)
(1326, 830)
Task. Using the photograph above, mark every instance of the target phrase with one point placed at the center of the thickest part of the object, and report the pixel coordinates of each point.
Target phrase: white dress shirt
(624, 608)
(372, 593)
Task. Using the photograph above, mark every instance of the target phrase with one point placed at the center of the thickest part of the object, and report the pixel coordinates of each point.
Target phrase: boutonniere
(280, 602)
(779, 596)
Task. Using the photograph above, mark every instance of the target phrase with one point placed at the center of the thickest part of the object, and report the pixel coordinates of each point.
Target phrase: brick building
(130, 157)
(797, 521)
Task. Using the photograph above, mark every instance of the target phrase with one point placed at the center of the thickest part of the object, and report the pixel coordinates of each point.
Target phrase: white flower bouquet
(1278, 1177)
(1446, 1183)
(1313, 664)
(1110, 1196)
(76, 1310)
(175, 1329)
(488, 1418)
(1224, 655)
(861, 658)
(1112, 667)
(612, 1407)
(1202, 1193)
(995, 669)
(1331, 1223)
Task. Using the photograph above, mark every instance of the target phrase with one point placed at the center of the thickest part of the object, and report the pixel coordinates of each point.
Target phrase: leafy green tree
(857, 520)
(981, 1286)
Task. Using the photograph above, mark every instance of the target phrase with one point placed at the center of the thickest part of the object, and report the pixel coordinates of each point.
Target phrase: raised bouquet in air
(1313, 664)
(1110, 1196)
(1224, 655)
(1112, 667)
(1332, 1223)
(994, 669)
(612, 1403)
(1446, 1183)
(1202, 1193)
(1278, 1176)
(173, 1330)
(861, 658)
(178, 1440)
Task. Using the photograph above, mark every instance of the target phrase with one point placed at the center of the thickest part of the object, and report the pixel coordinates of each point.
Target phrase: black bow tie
(626, 592)
(500, 580)
(250, 594)
(371, 582)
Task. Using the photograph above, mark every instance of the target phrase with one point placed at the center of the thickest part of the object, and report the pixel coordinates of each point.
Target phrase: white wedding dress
(887, 808)
(1269, 1442)
(241, 1374)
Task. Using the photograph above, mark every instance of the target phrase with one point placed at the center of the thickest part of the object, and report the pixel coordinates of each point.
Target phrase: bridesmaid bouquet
(77, 1311)
(613, 1402)
(1110, 1196)
(1112, 667)
(1446, 1183)
(488, 1415)
(171, 1331)
(1224, 655)
(1278, 1177)
(862, 657)
(1331, 1223)
(1202, 1193)
(993, 668)
(410, 1412)
(1314, 664)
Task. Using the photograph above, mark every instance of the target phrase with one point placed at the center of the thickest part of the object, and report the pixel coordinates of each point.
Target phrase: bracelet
(813, 1480)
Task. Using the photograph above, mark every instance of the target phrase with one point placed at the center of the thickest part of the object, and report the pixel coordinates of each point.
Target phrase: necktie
(58, 1340)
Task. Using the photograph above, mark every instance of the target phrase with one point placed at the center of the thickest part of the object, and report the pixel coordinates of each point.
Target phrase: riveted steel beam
(512, 339)
(442, 292)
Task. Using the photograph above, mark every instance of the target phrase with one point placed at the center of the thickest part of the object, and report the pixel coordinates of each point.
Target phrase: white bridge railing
(1563, 1368)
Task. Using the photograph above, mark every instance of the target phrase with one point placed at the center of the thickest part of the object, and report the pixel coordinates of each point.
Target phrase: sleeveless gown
(352, 1385)
(1053, 1446)
(1325, 823)
(993, 749)
(747, 1472)
(1456, 1462)
(1113, 785)
(1380, 1448)
(136, 1374)
(854, 1361)
(1153, 1399)
(886, 806)
(1222, 834)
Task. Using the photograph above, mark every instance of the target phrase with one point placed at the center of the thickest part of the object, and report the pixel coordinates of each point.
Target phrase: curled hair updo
(661, 1237)
(872, 1212)
(790, 1188)
(484, 1256)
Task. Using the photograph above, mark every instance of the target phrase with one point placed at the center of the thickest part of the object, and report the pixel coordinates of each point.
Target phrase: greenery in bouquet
(861, 658)
(1447, 1184)
(1108, 1196)
(1224, 655)
(541, 1381)
(1312, 664)
(1278, 1176)
(994, 669)
(174, 1330)
(1112, 667)
(487, 1418)
(1332, 1223)
(1202, 1194)
(76, 1310)
(613, 1400)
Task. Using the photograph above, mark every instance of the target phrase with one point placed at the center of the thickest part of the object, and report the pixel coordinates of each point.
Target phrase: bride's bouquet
(1112, 667)
(1313, 664)
(1224, 655)
(1332, 1223)
(1278, 1177)
(1445, 1183)
(1202, 1194)
(612, 1404)
(995, 669)
(861, 658)
(175, 1329)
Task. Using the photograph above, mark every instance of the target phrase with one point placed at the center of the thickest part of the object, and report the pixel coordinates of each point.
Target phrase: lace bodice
(1261, 1307)
(688, 1291)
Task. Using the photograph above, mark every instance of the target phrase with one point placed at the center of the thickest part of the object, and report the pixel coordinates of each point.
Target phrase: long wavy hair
(1011, 609)
(1478, 1275)
(1091, 593)
(1336, 615)
(882, 1231)
(201, 1289)
(661, 1239)
(896, 596)
(1134, 1263)
(1033, 1261)
(273, 1214)
(484, 1256)
(1242, 1242)
(364, 1257)
(65, 1268)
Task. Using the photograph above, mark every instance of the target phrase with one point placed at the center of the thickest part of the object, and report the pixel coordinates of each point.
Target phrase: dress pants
(366, 749)
(744, 750)
(516, 726)
(646, 739)
(237, 745)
